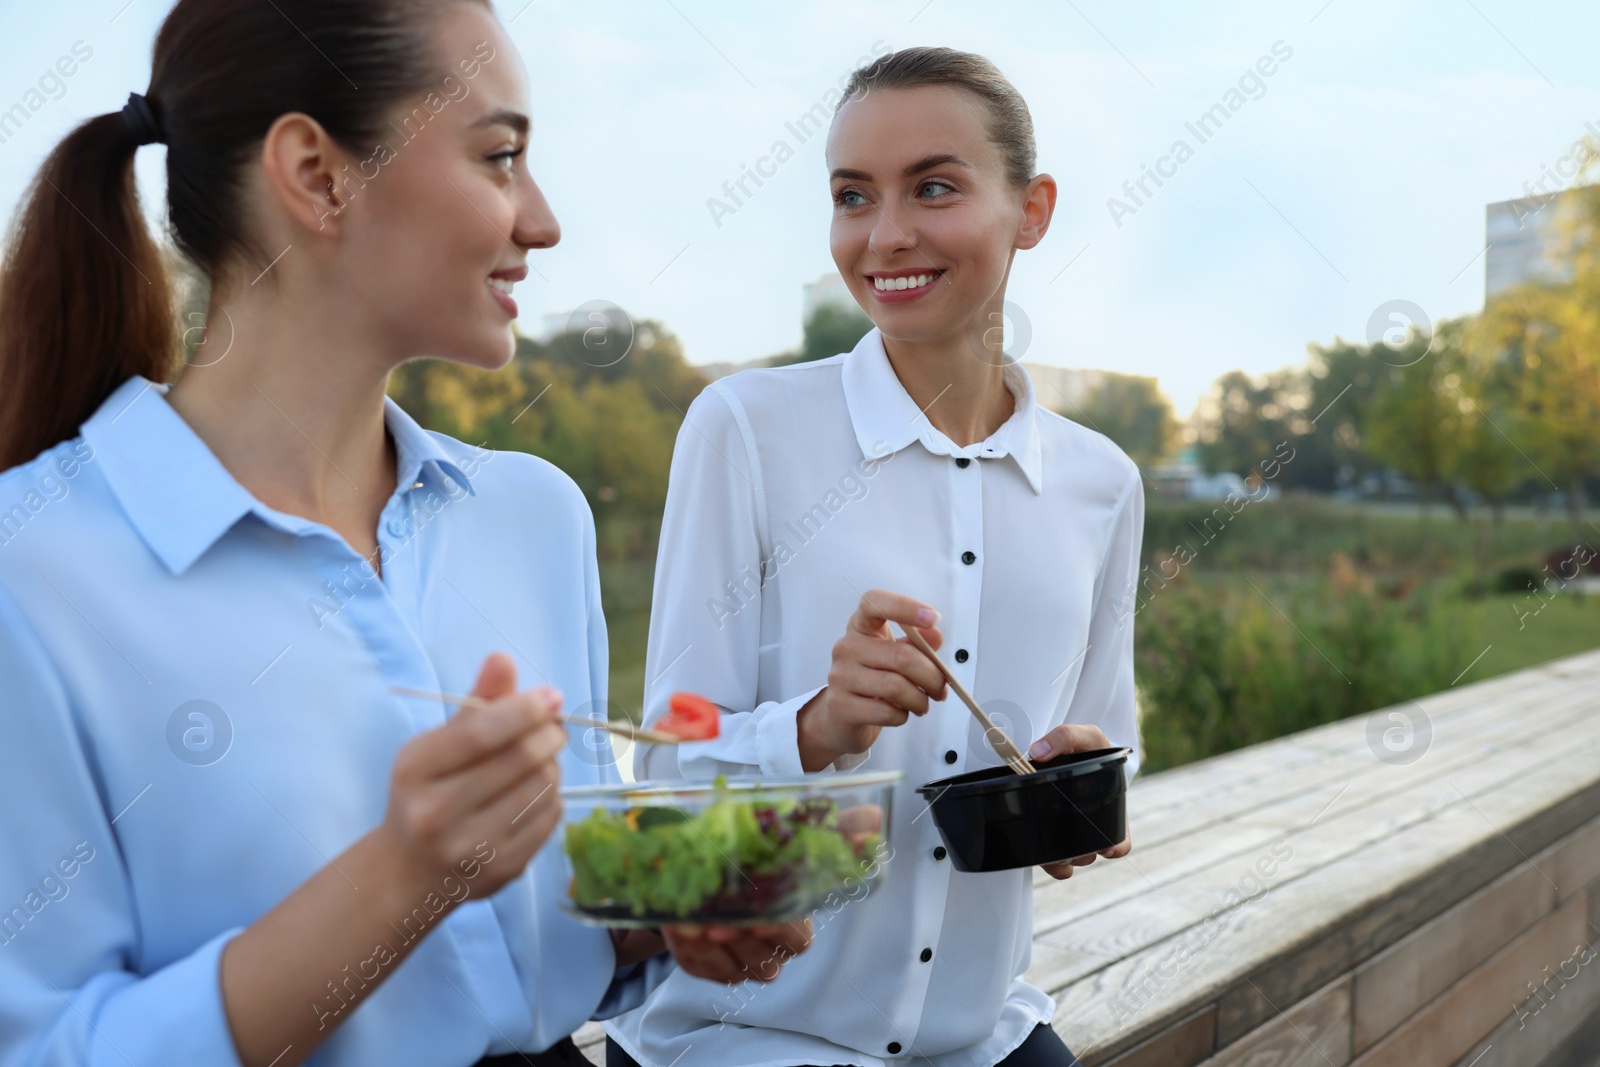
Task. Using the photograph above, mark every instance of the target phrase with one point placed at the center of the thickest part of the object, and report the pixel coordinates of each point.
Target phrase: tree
(1133, 412)
(603, 405)
(830, 330)
(1243, 419)
(1547, 337)
(1343, 381)
(1487, 460)
(1413, 425)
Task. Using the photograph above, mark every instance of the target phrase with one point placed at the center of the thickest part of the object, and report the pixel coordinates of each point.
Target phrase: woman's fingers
(793, 936)
(1064, 868)
(902, 658)
(862, 819)
(702, 957)
(488, 774)
(879, 607)
(734, 954)
(887, 686)
(472, 734)
(1068, 737)
(524, 816)
(1119, 850)
(854, 710)
(489, 777)
(755, 959)
(497, 677)
(886, 670)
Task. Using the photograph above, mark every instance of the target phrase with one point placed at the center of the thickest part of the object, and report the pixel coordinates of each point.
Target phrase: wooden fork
(621, 729)
(1007, 748)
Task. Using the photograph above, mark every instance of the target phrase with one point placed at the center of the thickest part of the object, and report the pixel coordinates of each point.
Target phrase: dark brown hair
(85, 300)
(1010, 124)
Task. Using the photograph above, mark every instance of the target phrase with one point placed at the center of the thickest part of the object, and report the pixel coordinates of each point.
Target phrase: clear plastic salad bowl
(737, 851)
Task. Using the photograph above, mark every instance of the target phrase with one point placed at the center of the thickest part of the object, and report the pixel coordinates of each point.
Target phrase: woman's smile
(893, 287)
(500, 283)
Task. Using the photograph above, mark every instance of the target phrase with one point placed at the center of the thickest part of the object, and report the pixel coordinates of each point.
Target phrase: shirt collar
(180, 497)
(886, 419)
(422, 456)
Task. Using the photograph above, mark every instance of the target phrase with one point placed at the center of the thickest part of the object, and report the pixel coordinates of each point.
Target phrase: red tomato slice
(690, 718)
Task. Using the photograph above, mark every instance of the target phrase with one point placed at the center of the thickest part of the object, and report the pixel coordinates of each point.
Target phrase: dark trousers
(1043, 1048)
(562, 1054)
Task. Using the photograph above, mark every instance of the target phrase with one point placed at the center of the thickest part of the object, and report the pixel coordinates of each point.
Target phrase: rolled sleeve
(68, 994)
(175, 1015)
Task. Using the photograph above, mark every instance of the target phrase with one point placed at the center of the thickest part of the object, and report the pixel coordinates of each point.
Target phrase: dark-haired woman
(914, 480)
(226, 840)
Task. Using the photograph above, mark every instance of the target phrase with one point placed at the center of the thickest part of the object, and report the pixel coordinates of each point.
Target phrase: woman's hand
(485, 780)
(636, 946)
(487, 777)
(1071, 737)
(733, 954)
(876, 680)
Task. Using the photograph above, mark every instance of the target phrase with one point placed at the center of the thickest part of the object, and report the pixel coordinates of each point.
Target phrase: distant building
(1525, 239)
(1063, 388)
(827, 291)
(1173, 478)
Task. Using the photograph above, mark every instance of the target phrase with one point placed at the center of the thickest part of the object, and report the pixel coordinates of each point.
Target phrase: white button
(417, 486)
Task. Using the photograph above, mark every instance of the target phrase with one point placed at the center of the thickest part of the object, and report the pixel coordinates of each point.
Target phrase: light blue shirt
(197, 717)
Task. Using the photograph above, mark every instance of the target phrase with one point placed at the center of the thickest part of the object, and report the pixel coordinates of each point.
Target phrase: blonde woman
(915, 480)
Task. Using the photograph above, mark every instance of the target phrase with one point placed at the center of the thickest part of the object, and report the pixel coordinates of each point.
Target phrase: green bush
(1219, 667)
(1518, 579)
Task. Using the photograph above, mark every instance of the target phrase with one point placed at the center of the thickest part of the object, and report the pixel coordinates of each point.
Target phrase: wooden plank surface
(1392, 986)
(1355, 871)
(1455, 1022)
(1312, 1033)
(1346, 784)
(1145, 919)
(1175, 952)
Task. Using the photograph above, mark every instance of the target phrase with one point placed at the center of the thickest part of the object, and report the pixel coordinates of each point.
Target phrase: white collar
(886, 419)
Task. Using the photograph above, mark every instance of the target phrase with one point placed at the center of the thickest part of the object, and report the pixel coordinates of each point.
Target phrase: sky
(1354, 175)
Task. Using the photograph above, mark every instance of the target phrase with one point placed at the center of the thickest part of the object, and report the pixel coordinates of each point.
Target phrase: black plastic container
(997, 820)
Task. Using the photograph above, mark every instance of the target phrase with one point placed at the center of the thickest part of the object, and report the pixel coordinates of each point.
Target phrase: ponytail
(85, 300)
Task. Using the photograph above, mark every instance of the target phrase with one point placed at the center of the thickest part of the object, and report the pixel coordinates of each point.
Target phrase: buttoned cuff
(851, 760)
(175, 1015)
(632, 984)
(778, 741)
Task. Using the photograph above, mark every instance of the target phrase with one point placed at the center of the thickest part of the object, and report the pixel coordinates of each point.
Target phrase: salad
(740, 857)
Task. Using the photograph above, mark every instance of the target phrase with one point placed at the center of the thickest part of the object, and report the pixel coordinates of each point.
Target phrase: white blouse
(793, 491)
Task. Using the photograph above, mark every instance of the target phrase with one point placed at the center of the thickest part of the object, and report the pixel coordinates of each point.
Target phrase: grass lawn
(1566, 625)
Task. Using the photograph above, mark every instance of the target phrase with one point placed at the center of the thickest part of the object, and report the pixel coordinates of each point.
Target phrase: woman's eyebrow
(925, 163)
(514, 119)
(929, 162)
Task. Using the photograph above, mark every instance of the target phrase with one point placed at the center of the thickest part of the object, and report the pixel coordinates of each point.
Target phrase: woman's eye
(848, 198)
(938, 188)
(506, 160)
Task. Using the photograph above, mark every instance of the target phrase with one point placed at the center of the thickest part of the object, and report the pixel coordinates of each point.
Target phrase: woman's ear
(301, 164)
(1038, 205)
